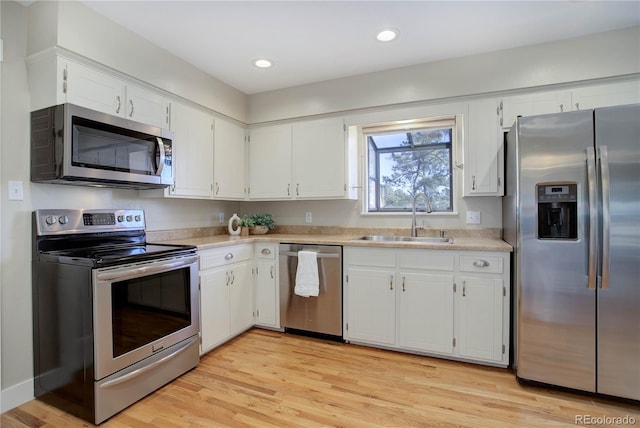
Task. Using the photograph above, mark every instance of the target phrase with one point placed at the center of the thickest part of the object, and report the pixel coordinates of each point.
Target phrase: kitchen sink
(432, 240)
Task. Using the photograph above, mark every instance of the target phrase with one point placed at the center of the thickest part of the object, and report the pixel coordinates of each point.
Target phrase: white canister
(234, 228)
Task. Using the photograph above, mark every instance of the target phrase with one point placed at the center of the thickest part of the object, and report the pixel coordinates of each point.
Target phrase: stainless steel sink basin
(432, 240)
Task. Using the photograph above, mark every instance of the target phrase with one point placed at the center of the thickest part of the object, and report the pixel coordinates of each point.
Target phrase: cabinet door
(192, 152)
(534, 104)
(228, 161)
(241, 301)
(267, 294)
(612, 94)
(95, 90)
(270, 163)
(426, 312)
(214, 308)
(319, 150)
(483, 159)
(480, 309)
(146, 107)
(371, 305)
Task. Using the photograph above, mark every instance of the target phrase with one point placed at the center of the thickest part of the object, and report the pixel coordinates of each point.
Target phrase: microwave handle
(161, 158)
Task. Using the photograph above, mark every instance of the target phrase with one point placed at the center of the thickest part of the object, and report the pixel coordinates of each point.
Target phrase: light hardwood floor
(269, 379)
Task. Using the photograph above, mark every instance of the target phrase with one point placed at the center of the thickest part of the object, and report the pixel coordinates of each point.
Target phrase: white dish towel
(307, 282)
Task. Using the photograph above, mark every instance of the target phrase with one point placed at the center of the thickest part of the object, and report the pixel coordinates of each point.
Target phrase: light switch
(308, 217)
(16, 191)
(221, 217)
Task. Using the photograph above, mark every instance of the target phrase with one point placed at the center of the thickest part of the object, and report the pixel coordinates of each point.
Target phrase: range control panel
(64, 221)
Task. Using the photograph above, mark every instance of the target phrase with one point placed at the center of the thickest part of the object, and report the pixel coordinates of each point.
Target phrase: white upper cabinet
(319, 159)
(483, 155)
(304, 160)
(581, 98)
(270, 162)
(55, 80)
(611, 94)
(192, 152)
(229, 161)
(534, 104)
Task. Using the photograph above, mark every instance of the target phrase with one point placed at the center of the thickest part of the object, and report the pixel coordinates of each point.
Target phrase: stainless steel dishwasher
(322, 314)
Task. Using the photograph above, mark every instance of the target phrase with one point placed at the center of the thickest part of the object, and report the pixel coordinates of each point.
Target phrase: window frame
(454, 122)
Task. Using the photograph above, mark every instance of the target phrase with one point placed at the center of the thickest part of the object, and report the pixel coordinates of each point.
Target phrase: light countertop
(462, 243)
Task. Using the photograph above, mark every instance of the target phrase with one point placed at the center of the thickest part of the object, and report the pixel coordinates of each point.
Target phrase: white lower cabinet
(443, 303)
(266, 286)
(226, 294)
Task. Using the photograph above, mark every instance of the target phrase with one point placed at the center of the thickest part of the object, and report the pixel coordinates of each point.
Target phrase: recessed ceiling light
(262, 63)
(387, 34)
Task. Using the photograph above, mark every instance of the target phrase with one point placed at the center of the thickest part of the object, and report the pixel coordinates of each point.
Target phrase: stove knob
(120, 218)
(138, 218)
(50, 220)
(63, 219)
(129, 218)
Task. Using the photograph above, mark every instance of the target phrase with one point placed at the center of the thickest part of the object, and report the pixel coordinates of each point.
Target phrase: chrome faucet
(414, 228)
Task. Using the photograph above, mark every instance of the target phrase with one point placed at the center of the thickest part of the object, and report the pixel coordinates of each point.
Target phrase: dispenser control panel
(557, 210)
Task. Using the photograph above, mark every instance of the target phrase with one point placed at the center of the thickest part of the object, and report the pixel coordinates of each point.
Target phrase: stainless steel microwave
(75, 145)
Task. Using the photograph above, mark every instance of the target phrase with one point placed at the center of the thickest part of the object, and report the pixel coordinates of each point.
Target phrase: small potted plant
(258, 224)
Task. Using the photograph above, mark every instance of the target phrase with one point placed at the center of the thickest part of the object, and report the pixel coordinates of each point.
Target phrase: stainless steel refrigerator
(572, 213)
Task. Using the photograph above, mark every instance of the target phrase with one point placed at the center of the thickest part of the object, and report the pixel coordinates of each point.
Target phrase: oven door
(141, 309)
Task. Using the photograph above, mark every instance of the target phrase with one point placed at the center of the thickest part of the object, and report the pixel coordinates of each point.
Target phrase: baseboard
(16, 395)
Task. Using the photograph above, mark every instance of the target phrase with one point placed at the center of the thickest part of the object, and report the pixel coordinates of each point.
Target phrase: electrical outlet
(308, 218)
(473, 217)
(221, 217)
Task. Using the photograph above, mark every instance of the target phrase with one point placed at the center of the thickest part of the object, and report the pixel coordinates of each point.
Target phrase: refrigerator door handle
(593, 219)
(606, 216)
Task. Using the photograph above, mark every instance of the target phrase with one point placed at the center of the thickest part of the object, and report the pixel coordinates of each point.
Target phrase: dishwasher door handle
(318, 255)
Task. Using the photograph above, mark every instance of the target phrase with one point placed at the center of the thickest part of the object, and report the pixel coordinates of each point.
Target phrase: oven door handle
(132, 272)
(139, 372)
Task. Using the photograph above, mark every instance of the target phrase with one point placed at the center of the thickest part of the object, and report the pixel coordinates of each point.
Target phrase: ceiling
(311, 41)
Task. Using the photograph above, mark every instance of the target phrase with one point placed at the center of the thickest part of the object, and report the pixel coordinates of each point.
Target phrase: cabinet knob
(228, 256)
(481, 263)
(266, 251)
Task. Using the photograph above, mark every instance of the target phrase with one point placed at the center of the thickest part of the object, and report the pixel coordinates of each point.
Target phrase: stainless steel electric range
(114, 317)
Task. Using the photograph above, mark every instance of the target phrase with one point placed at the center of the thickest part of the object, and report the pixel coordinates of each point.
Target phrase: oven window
(149, 308)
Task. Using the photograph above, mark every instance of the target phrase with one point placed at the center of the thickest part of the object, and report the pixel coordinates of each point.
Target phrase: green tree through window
(405, 163)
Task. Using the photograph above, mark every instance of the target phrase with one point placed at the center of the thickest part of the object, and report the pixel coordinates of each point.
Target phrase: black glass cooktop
(107, 256)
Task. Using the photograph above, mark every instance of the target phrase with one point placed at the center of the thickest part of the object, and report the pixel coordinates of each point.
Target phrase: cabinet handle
(233, 277)
(228, 256)
(131, 112)
(288, 189)
(577, 106)
(298, 189)
(391, 282)
(403, 278)
(561, 107)
(272, 272)
(119, 103)
(226, 274)
(266, 251)
(217, 188)
(481, 263)
(473, 182)
(464, 288)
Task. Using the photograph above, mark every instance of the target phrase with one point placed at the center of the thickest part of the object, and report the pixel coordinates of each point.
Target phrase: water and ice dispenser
(557, 210)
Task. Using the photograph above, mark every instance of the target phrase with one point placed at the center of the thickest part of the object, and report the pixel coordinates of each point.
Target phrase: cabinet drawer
(265, 251)
(481, 263)
(371, 257)
(225, 256)
(426, 259)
